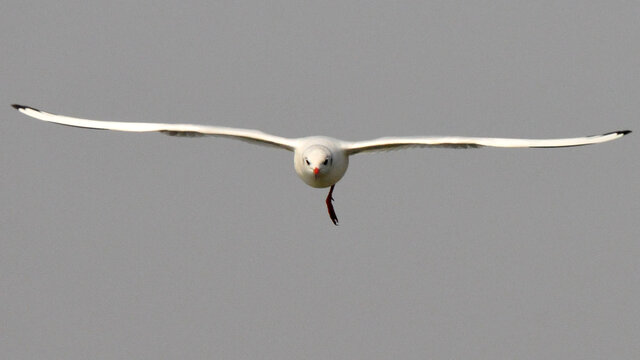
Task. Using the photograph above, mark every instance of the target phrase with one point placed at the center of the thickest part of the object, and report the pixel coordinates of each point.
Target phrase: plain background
(143, 246)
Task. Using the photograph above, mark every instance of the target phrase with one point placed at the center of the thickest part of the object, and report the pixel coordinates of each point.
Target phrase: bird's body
(320, 161)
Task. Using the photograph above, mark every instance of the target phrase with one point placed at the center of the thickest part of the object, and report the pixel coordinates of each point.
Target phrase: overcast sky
(144, 246)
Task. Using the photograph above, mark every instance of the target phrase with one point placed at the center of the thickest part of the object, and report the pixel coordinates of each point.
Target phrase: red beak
(316, 171)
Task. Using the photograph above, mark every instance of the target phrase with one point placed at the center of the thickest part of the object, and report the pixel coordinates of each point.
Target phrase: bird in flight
(320, 161)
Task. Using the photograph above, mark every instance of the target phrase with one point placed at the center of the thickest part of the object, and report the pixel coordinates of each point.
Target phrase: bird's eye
(307, 161)
(326, 161)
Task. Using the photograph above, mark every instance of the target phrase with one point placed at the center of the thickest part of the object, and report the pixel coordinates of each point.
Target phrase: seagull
(320, 161)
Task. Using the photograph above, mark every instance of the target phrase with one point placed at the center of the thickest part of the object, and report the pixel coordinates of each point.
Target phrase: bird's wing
(392, 143)
(170, 129)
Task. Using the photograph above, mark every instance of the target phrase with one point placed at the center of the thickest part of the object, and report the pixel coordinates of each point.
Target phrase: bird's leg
(332, 213)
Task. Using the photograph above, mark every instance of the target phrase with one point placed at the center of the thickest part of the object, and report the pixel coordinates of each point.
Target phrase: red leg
(332, 213)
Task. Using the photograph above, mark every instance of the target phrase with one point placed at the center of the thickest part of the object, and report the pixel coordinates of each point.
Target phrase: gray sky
(120, 246)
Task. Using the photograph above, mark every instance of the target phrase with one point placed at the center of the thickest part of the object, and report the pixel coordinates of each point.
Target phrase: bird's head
(317, 160)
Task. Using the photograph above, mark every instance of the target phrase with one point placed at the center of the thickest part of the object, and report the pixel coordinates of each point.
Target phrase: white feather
(169, 129)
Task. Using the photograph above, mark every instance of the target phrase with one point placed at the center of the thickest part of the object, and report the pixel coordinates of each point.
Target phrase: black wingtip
(21, 107)
(619, 132)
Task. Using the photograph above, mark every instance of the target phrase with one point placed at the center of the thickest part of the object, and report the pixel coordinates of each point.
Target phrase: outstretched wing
(170, 129)
(392, 143)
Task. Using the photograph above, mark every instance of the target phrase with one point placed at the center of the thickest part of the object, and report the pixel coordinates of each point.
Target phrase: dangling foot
(332, 213)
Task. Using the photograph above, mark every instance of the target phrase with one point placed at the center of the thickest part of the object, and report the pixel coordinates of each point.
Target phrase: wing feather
(188, 130)
(392, 143)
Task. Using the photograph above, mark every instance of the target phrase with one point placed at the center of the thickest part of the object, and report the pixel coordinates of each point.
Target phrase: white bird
(320, 161)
